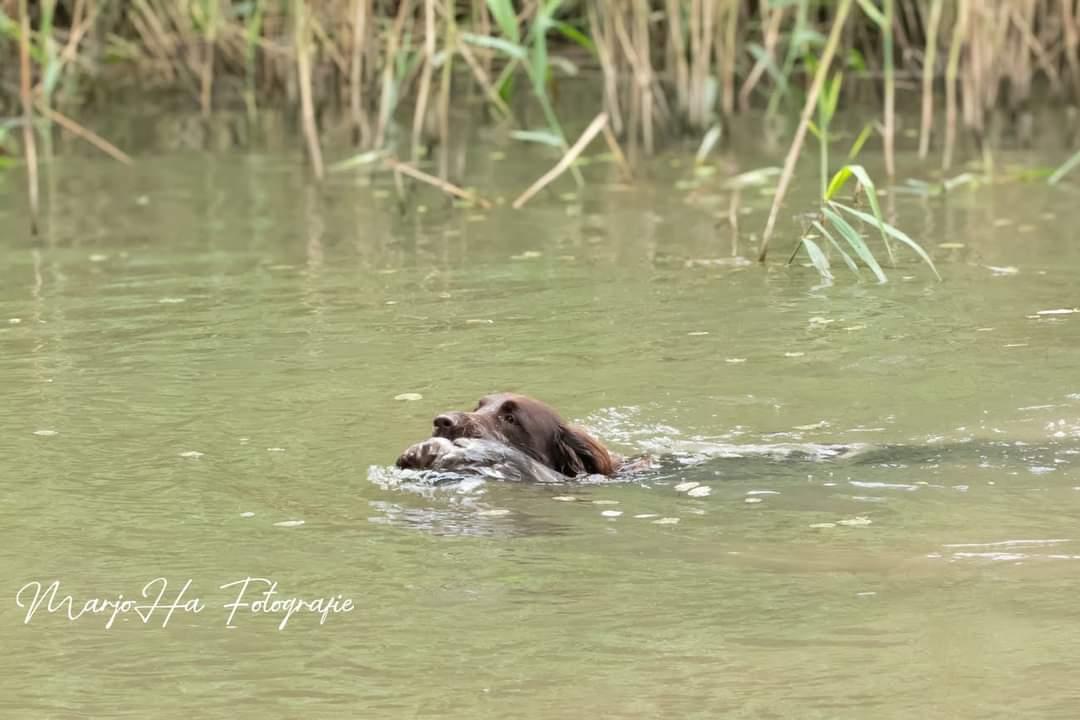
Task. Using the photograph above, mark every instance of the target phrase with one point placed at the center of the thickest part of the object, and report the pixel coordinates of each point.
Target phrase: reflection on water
(865, 502)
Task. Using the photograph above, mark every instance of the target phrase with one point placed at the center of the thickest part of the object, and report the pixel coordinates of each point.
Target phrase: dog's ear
(577, 452)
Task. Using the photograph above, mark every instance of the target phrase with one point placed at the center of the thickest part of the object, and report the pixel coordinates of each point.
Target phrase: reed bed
(665, 66)
(391, 70)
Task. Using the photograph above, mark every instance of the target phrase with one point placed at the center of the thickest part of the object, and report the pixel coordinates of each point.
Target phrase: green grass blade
(836, 184)
(818, 259)
(871, 197)
(857, 146)
(542, 137)
(511, 49)
(365, 158)
(961, 179)
(708, 143)
(831, 96)
(758, 177)
(505, 18)
(807, 38)
(847, 258)
(574, 35)
(539, 65)
(760, 56)
(894, 233)
(872, 12)
(851, 235)
(1064, 170)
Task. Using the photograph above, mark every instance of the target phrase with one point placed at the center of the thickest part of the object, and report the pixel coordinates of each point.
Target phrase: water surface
(203, 351)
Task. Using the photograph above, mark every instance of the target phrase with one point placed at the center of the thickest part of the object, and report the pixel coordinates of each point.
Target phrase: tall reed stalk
(843, 8)
(210, 9)
(252, 33)
(29, 143)
(361, 13)
(302, 21)
(890, 87)
(929, 68)
(952, 72)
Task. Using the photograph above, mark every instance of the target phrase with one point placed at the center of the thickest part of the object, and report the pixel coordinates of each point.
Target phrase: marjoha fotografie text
(158, 602)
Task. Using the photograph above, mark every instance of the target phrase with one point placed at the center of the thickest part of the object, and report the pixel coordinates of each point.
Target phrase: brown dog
(516, 433)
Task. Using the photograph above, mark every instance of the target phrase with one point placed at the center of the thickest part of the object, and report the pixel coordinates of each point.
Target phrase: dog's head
(534, 428)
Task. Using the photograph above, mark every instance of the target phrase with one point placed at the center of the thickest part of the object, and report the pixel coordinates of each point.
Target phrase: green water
(204, 350)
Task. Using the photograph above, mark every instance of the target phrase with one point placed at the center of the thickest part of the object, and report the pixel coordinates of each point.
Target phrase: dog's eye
(508, 418)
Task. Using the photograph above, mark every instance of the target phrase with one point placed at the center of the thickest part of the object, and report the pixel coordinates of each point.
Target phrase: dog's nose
(444, 422)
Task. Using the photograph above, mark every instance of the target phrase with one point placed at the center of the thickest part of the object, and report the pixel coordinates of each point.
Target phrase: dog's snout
(446, 421)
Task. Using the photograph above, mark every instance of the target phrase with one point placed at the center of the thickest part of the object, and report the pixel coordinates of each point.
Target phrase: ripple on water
(883, 485)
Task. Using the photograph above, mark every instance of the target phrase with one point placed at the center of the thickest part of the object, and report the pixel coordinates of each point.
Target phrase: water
(200, 359)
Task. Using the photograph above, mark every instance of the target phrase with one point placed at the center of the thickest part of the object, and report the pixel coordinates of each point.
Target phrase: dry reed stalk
(361, 9)
(637, 109)
(80, 24)
(420, 112)
(727, 63)
(393, 41)
(733, 218)
(595, 127)
(154, 37)
(645, 78)
(951, 70)
(482, 79)
(838, 23)
(85, 134)
(405, 169)
(616, 152)
(209, 42)
(303, 69)
(446, 83)
(988, 60)
(929, 66)
(771, 20)
(183, 37)
(911, 17)
(328, 45)
(1023, 26)
(1072, 44)
(890, 89)
(701, 35)
(602, 39)
(677, 48)
(29, 146)
(481, 21)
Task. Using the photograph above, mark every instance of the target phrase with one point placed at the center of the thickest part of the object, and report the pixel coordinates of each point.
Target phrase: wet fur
(525, 425)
